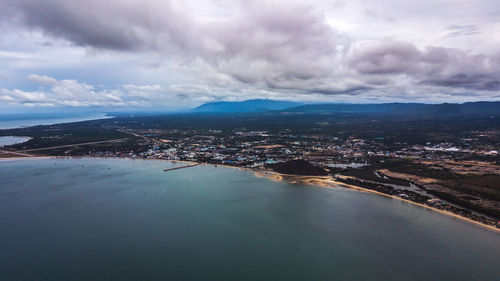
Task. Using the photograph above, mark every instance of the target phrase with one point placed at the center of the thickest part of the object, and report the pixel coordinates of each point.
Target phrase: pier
(181, 167)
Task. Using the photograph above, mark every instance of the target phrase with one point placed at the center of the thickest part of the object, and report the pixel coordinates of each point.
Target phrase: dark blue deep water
(89, 219)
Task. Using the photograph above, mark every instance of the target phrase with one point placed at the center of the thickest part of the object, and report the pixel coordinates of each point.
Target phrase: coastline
(319, 181)
(328, 182)
(8, 159)
(26, 123)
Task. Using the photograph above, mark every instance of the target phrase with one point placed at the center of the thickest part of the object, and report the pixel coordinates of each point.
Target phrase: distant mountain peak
(253, 105)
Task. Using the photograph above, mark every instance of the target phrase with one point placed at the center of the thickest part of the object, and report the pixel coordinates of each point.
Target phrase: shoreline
(319, 181)
(327, 182)
(56, 121)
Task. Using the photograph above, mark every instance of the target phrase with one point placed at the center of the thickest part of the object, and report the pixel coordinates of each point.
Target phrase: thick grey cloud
(274, 49)
(272, 43)
(385, 58)
(434, 66)
(111, 24)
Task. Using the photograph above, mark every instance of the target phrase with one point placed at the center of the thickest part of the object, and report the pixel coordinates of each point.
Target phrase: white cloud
(42, 79)
(64, 93)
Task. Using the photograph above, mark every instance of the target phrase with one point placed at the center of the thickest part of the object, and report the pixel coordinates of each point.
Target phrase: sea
(18, 120)
(11, 121)
(123, 219)
(9, 140)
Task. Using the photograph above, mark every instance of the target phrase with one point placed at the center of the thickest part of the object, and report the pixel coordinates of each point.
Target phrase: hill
(298, 167)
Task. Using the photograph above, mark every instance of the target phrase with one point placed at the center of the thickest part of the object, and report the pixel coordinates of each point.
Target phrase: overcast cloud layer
(173, 54)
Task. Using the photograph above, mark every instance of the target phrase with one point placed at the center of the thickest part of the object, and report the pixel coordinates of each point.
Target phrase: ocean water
(112, 219)
(9, 140)
(10, 121)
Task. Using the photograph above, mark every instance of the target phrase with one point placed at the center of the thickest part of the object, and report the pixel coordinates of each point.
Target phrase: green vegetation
(298, 167)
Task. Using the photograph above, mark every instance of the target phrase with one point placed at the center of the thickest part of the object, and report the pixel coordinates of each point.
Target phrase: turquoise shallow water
(106, 219)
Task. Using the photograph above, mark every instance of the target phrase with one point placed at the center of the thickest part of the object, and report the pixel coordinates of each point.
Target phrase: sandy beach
(328, 182)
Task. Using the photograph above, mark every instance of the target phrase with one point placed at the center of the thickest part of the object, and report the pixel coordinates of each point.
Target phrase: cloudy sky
(177, 54)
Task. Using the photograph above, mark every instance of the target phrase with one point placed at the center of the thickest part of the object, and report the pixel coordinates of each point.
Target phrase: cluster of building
(248, 148)
(254, 149)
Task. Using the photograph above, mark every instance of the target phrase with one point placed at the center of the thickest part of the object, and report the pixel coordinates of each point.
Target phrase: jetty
(181, 167)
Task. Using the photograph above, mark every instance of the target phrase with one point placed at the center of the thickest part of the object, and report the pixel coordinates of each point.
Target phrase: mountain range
(255, 105)
(262, 105)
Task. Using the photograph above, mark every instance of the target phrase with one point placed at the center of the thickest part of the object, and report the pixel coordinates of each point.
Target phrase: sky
(172, 55)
